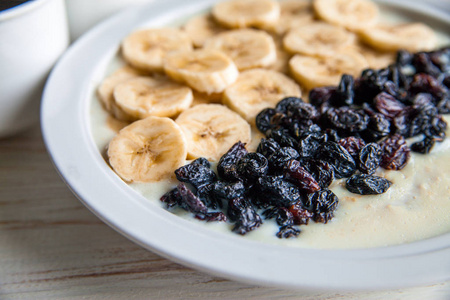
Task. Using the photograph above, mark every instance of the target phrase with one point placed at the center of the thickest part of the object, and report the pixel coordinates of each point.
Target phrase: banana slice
(202, 98)
(246, 13)
(142, 97)
(106, 88)
(258, 89)
(248, 48)
(317, 39)
(293, 14)
(351, 14)
(375, 59)
(313, 72)
(201, 28)
(146, 49)
(148, 150)
(211, 129)
(207, 71)
(412, 37)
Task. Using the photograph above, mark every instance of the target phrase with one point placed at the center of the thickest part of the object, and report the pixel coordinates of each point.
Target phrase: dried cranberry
(396, 153)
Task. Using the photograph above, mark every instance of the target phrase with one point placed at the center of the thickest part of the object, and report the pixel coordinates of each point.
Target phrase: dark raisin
(347, 120)
(364, 184)
(377, 128)
(283, 216)
(252, 165)
(226, 191)
(322, 171)
(301, 215)
(288, 103)
(424, 83)
(206, 195)
(247, 220)
(424, 146)
(388, 105)
(345, 93)
(308, 145)
(196, 173)
(300, 177)
(369, 158)
(295, 108)
(288, 231)
(322, 203)
(189, 201)
(235, 207)
(282, 136)
(278, 160)
(276, 191)
(212, 217)
(396, 153)
(320, 95)
(264, 119)
(404, 58)
(352, 144)
(268, 147)
(339, 158)
(227, 163)
(171, 198)
(332, 135)
(443, 105)
(423, 64)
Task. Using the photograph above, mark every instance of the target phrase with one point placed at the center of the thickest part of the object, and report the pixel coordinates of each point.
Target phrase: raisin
(345, 93)
(332, 135)
(322, 171)
(443, 105)
(288, 231)
(171, 198)
(226, 191)
(282, 215)
(423, 64)
(247, 220)
(295, 108)
(396, 153)
(322, 203)
(268, 147)
(367, 184)
(206, 195)
(404, 58)
(189, 201)
(301, 215)
(347, 120)
(212, 216)
(300, 177)
(264, 119)
(278, 160)
(227, 163)
(276, 191)
(424, 83)
(252, 165)
(235, 207)
(282, 136)
(423, 146)
(339, 158)
(196, 173)
(288, 104)
(369, 158)
(352, 144)
(388, 105)
(320, 95)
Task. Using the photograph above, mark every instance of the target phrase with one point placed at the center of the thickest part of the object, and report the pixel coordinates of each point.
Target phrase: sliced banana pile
(194, 91)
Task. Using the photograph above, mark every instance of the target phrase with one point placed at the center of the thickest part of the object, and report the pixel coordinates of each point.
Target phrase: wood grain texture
(52, 247)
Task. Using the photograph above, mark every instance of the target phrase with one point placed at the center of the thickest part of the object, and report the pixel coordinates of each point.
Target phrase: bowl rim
(66, 133)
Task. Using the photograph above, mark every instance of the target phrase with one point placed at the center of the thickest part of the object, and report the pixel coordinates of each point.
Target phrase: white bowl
(33, 36)
(66, 128)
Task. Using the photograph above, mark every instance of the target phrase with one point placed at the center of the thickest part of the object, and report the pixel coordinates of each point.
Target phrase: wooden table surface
(52, 247)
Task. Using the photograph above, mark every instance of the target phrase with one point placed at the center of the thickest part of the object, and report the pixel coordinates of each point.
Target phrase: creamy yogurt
(416, 207)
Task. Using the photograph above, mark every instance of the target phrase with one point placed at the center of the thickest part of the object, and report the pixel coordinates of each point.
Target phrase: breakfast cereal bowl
(71, 125)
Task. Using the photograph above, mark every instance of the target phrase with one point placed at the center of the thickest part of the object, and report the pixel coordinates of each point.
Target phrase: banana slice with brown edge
(211, 129)
(317, 39)
(248, 48)
(293, 14)
(351, 14)
(313, 72)
(207, 71)
(412, 37)
(146, 49)
(201, 28)
(142, 97)
(246, 13)
(257, 89)
(148, 150)
(106, 88)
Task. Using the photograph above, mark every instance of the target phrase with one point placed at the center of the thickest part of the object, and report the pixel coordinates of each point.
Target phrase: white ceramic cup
(83, 14)
(32, 37)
